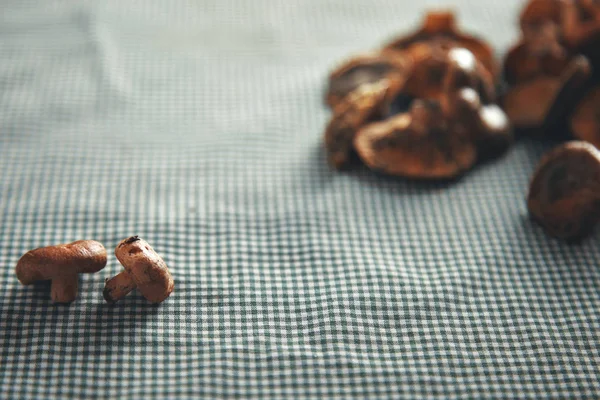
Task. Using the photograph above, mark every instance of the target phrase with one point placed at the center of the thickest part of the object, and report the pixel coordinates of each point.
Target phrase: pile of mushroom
(421, 107)
(553, 70)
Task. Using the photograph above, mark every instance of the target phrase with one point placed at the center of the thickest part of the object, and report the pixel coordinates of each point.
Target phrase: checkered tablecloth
(197, 125)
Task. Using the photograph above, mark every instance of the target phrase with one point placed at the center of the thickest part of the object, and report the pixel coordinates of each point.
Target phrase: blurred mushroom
(365, 69)
(546, 101)
(564, 195)
(437, 73)
(585, 122)
(440, 27)
(581, 29)
(361, 106)
(417, 144)
(487, 126)
(525, 62)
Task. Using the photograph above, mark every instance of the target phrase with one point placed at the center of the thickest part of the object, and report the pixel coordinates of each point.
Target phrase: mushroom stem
(64, 288)
(118, 287)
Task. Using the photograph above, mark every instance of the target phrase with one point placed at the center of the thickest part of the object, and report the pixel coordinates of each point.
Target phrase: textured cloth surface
(197, 125)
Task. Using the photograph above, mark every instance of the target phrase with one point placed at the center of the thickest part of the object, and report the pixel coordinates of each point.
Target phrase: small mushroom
(144, 270)
(61, 264)
(564, 195)
(440, 27)
(545, 102)
(585, 122)
(363, 105)
(417, 144)
(365, 69)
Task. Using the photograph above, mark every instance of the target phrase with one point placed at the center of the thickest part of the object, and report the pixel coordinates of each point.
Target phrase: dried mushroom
(525, 63)
(545, 101)
(552, 66)
(585, 122)
(564, 195)
(417, 144)
(422, 108)
(436, 74)
(362, 105)
(487, 126)
(440, 28)
(365, 69)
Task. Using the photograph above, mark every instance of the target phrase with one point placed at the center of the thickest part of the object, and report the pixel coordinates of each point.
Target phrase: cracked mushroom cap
(439, 28)
(147, 269)
(417, 144)
(365, 69)
(564, 195)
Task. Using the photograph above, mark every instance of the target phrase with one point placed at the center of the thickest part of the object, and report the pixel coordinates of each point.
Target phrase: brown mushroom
(538, 13)
(361, 106)
(365, 69)
(585, 122)
(487, 126)
(436, 73)
(144, 270)
(581, 29)
(523, 62)
(546, 101)
(464, 70)
(417, 144)
(440, 27)
(61, 264)
(564, 195)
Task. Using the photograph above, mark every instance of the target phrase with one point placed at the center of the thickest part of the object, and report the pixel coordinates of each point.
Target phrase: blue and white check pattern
(197, 125)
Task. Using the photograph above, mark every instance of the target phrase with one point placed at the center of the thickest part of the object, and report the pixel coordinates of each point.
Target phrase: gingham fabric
(197, 125)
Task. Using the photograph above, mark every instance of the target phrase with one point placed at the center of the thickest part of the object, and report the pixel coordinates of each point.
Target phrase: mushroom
(435, 74)
(487, 126)
(440, 28)
(465, 70)
(526, 61)
(544, 102)
(144, 270)
(363, 105)
(564, 195)
(581, 29)
(61, 264)
(585, 121)
(365, 69)
(417, 144)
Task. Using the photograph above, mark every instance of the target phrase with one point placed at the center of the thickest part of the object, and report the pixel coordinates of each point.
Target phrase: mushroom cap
(82, 256)
(564, 194)
(147, 269)
(367, 68)
(585, 122)
(417, 144)
(440, 28)
(362, 106)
